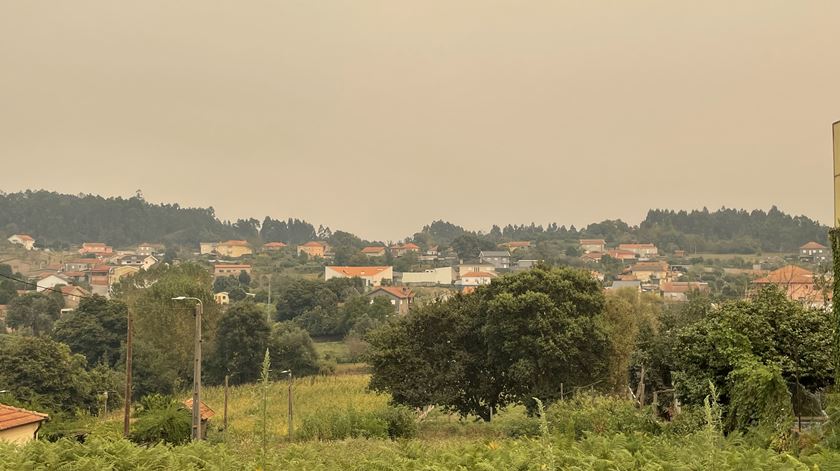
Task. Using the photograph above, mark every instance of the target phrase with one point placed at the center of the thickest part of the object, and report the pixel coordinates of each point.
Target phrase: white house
(373, 276)
(22, 239)
(434, 276)
(476, 278)
(50, 282)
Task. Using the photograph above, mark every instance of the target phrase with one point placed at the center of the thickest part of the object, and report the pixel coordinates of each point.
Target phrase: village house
(47, 282)
(797, 283)
(118, 273)
(222, 298)
(100, 279)
(142, 261)
(145, 249)
(228, 269)
(97, 248)
(430, 277)
(233, 248)
(678, 290)
(650, 271)
(402, 249)
(372, 276)
(207, 248)
(20, 426)
(73, 295)
(476, 267)
(640, 250)
(813, 252)
(517, 244)
(313, 249)
(429, 255)
(593, 245)
(400, 297)
(528, 264)
(80, 264)
(476, 278)
(497, 258)
(374, 251)
(274, 246)
(621, 284)
(621, 255)
(23, 239)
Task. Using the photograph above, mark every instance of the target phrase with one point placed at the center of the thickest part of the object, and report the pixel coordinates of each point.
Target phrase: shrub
(388, 422)
(600, 415)
(400, 420)
(162, 419)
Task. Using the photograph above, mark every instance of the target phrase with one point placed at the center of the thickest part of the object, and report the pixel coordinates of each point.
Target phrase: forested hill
(57, 220)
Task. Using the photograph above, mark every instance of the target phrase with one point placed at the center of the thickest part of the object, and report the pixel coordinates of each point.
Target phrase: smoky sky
(377, 117)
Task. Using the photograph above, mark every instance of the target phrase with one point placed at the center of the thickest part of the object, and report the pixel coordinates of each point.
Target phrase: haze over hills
(59, 219)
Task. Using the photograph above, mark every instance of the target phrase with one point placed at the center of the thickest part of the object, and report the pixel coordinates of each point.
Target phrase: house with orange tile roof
(274, 246)
(372, 276)
(623, 255)
(593, 245)
(374, 251)
(97, 248)
(234, 248)
(650, 271)
(797, 283)
(640, 250)
(401, 298)
(814, 252)
(25, 240)
(230, 269)
(147, 249)
(73, 295)
(516, 244)
(399, 250)
(678, 291)
(18, 425)
(313, 249)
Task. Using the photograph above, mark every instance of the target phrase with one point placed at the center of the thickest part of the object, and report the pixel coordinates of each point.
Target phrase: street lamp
(196, 401)
(289, 371)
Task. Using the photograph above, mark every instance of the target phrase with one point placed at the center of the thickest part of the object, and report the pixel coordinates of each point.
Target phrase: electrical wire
(29, 283)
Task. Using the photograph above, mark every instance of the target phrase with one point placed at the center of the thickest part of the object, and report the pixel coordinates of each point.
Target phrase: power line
(43, 287)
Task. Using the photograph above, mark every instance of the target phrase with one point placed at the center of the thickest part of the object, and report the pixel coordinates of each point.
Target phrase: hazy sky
(380, 116)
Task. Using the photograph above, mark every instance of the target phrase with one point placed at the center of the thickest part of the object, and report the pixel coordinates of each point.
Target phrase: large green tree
(241, 340)
(96, 329)
(33, 312)
(518, 338)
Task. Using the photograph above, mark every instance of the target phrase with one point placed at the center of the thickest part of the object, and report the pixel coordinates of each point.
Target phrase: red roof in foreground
(205, 410)
(399, 292)
(11, 417)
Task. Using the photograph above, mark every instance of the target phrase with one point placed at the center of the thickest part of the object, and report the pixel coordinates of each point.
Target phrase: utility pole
(291, 413)
(196, 405)
(225, 417)
(128, 355)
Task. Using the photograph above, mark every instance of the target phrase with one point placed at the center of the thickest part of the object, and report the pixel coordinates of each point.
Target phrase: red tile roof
(478, 274)
(813, 245)
(204, 410)
(23, 236)
(411, 246)
(351, 272)
(683, 286)
(650, 266)
(272, 245)
(790, 274)
(11, 417)
(93, 244)
(397, 291)
(373, 249)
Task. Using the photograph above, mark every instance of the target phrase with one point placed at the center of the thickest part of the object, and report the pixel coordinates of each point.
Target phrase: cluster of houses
(95, 269)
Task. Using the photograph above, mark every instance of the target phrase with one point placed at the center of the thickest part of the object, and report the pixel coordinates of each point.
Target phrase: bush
(162, 419)
(401, 421)
(600, 415)
(390, 422)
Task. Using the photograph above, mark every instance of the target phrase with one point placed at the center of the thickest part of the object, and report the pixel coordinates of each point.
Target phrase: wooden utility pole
(196, 405)
(128, 355)
(291, 415)
(225, 416)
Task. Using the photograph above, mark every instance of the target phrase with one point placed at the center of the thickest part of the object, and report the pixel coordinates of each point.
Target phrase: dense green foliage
(96, 329)
(517, 339)
(33, 313)
(241, 340)
(161, 419)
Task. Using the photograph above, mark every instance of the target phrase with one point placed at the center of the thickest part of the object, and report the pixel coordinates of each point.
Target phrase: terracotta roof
(350, 272)
(790, 274)
(411, 246)
(683, 286)
(650, 266)
(23, 236)
(373, 249)
(101, 268)
(592, 256)
(235, 243)
(204, 410)
(397, 291)
(71, 290)
(621, 254)
(593, 242)
(478, 274)
(274, 244)
(11, 417)
(94, 244)
(813, 245)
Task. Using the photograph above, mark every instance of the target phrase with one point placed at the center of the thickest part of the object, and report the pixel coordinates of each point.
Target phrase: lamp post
(196, 400)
